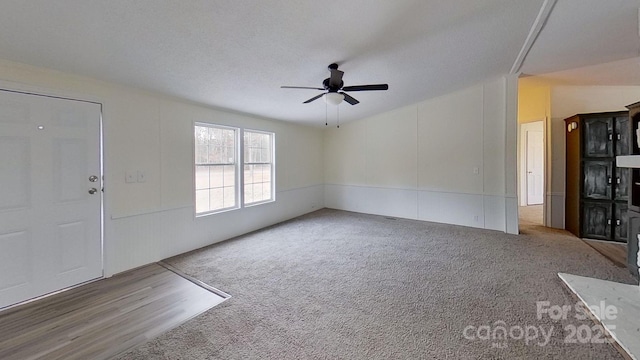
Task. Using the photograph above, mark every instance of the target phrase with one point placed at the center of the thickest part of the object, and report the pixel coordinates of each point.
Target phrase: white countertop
(628, 161)
(624, 326)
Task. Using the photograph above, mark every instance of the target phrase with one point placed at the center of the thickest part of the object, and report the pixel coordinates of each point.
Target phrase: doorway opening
(532, 173)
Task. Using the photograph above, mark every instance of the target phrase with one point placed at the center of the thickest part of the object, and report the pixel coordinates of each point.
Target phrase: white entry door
(535, 167)
(50, 214)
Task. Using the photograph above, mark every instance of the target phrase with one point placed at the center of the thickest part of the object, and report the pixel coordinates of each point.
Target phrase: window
(258, 167)
(217, 172)
(216, 168)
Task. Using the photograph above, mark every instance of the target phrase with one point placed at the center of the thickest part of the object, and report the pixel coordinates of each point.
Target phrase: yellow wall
(534, 100)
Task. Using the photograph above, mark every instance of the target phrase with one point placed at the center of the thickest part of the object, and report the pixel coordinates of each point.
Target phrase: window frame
(272, 163)
(239, 148)
(237, 178)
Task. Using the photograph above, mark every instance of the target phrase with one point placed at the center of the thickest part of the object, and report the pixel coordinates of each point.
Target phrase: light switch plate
(142, 177)
(130, 177)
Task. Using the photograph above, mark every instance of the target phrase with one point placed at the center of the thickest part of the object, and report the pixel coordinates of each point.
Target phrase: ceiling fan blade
(335, 81)
(313, 98)
(366, 87)
(300, 87)
(350, 99)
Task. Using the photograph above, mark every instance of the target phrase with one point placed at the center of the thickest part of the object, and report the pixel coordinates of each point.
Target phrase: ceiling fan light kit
(333, 98)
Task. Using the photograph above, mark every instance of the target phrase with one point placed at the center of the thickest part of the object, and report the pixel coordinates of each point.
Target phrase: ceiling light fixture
(333, 98)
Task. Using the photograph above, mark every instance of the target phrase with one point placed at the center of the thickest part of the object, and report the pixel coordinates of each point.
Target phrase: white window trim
(239, 178)
(273, 168)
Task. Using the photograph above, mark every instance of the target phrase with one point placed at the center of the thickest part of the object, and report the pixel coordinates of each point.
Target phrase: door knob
(93, 178)
(93, 191)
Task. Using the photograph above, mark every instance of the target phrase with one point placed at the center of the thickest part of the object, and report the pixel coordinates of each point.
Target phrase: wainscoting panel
(555, 202)
(494, 210)
(372, 200)
(475, 210)
(452, 208)
(140, 239)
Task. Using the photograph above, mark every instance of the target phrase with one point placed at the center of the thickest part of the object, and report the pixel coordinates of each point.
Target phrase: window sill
(203, 214)
(259, 203)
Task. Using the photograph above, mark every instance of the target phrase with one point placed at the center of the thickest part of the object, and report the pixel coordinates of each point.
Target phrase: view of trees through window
(216, 164)
(217, 168)
(258, 151)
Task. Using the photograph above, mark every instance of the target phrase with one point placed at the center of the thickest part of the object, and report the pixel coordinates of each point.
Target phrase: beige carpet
(340, 285)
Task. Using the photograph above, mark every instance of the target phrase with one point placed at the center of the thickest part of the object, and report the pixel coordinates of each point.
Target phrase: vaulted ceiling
(236, 54)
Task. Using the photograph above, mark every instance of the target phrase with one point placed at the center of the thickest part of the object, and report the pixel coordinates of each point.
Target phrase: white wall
(146, 222)
(442, 160)
(414, 162)
(567, 101)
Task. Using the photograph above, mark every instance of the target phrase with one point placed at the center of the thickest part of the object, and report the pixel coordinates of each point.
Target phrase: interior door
(535, 167)
(50, 195)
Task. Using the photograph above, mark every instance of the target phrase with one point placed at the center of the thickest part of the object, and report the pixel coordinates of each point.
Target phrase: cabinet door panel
(622, 135)
(620, 228)
(622, 184)
(597, 180)
(596, 220)
(598, 133)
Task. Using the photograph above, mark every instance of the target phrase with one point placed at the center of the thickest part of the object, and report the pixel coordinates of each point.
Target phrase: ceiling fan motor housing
(330, 88)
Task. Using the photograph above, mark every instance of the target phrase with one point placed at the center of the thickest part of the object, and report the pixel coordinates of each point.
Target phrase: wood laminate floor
(531, 215)
(103, 318)
(615, 252)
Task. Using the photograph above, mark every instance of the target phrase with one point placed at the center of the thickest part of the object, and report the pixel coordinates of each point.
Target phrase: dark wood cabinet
(623, 134)
(596, 220)
(598, 134)
(621, 224)
(597, 177)
(597, 191)
(633, 195)
(622, 184)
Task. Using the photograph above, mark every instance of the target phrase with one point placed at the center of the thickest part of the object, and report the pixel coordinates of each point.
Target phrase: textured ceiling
(236, 54)
(580, 33)
(621, 72)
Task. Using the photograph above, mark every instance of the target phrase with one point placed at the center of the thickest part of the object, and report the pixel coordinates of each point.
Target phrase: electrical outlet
(476, 170)
(130, 177)
(476, 218)
(142, 176)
